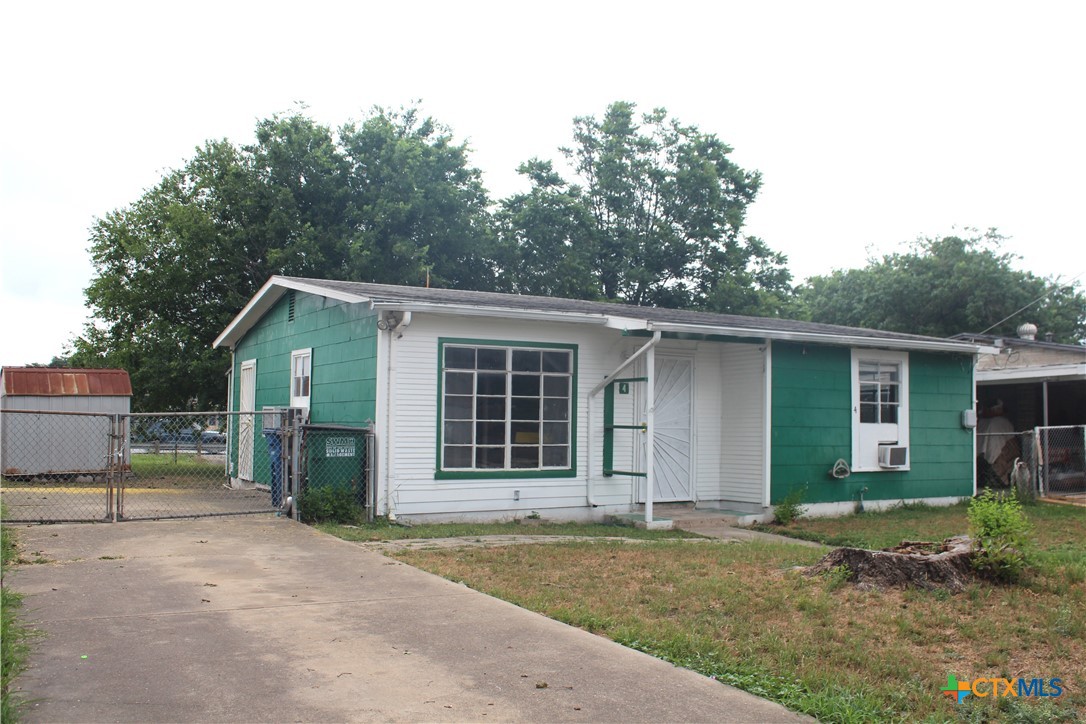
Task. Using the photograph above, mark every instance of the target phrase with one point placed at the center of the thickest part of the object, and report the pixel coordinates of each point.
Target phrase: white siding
(708, 412)
(742, 440)
(728, 431)
(413, 489)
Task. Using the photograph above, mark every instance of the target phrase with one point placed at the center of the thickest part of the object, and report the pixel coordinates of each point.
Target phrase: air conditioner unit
(893, 456)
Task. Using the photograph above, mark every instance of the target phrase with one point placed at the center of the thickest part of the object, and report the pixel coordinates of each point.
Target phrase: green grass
(180, 470)
(14, 647)
(383, 530)
(741, 613)
(175, 463)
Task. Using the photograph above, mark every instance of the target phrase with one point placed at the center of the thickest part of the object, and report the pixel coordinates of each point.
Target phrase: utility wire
(1055, 287)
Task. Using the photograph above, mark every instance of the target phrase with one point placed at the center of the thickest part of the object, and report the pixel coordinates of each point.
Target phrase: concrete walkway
(261, 619)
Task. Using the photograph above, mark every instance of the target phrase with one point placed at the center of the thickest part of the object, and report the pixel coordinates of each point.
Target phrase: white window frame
(862, 446)
(306, 357)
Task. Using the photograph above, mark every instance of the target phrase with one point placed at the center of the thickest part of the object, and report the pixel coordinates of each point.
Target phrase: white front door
(246, 420)
(673, 438)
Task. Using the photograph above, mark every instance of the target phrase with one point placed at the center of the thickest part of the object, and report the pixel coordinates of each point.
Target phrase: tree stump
(912, 563)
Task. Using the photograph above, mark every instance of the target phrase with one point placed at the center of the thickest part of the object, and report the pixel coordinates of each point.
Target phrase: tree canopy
(944, 286)
(391, 199)
(653, 217)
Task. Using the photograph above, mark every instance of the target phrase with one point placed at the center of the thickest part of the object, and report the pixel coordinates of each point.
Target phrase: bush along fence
(68, 466)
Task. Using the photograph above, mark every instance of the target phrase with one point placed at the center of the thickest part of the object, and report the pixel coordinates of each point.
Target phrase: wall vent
(290, 306)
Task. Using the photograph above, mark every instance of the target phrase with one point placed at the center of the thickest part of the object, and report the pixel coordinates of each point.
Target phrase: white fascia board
(266, 298)
(628, 324)
(502, 312)
(1034, 374)
(832, 339)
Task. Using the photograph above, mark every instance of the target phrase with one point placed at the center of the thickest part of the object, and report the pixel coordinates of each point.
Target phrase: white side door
(246, 420)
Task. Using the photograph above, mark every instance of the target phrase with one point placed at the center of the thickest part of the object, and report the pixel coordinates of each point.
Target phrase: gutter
(505, 312)
(656, 335)
(926, 345)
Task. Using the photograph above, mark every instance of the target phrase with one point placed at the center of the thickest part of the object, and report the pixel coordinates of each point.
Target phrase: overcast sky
(872, 123)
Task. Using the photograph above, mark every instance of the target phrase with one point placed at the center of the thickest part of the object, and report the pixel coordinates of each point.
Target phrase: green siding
(343, 337)
(812, 427)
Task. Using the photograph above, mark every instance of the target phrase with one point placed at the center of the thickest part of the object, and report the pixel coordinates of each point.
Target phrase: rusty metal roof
(54, 381)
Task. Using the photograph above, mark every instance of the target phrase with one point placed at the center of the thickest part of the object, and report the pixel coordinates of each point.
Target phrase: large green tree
(654, 216)
(391, 199)
(943, 286)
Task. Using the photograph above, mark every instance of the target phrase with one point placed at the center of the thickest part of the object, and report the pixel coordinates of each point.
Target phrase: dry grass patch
(741, 613)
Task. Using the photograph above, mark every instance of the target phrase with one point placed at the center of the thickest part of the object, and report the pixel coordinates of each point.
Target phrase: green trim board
(609, 428)
(504, 473)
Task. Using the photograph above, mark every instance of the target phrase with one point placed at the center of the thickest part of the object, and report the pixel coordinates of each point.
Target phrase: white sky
(872, 123)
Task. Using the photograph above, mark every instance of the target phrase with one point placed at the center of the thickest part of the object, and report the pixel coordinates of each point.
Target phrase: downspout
(404, 323)
(591, 395)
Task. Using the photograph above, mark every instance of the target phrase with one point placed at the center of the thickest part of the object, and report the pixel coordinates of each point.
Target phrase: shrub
(790, 508)
(329, 504)
(1001, 534)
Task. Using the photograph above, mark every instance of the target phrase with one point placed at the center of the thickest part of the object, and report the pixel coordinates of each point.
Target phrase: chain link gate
(1049, 462)
(59, 466)
(95, 467)
(1059, 462)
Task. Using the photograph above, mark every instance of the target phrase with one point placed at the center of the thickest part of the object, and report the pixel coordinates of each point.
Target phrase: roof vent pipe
(1027, 331)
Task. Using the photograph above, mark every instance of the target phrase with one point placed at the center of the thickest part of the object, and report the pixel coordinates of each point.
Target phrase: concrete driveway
(261, 619)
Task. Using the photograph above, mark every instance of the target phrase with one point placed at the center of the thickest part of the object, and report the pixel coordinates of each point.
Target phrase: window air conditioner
(893, 456)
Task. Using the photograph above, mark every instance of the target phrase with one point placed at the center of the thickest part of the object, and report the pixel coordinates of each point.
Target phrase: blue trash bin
(275, 460)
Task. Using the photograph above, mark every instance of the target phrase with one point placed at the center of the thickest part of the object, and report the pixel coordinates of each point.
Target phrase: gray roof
(392, 294)
(385, 295)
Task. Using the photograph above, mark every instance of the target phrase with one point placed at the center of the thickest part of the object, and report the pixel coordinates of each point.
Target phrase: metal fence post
(295, 463)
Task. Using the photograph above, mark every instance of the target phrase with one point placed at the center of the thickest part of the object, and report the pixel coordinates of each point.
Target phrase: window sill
(877, 469)
(502, 474)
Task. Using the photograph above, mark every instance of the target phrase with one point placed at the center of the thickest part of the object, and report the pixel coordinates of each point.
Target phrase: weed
(837, 577)
(791, 508)
(1001, 533)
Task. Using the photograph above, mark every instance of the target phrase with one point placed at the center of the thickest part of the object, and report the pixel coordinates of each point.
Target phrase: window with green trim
(506, 408)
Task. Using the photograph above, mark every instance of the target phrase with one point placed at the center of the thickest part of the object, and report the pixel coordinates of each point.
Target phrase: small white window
(880, 410)
(301, 367)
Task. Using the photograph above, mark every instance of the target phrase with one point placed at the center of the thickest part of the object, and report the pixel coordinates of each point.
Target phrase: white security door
(673, 434)
(246, 420)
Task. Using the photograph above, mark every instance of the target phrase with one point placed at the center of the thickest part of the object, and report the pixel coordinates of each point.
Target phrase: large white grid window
(506, 408)
(301, 371)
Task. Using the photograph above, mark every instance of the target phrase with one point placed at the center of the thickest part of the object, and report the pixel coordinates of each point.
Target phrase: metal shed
(58, 422)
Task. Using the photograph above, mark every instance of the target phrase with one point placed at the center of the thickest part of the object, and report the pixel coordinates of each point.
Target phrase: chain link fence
(1046, 461)
(63, 467)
